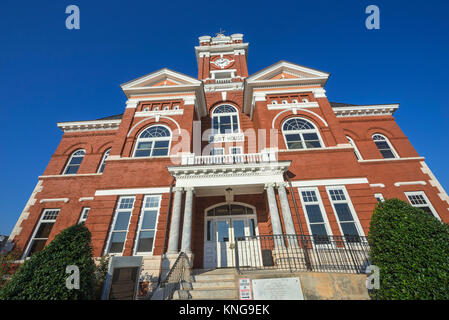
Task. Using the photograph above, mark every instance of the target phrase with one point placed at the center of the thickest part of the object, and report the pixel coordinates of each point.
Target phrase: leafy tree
(411, 249)
(43, 276)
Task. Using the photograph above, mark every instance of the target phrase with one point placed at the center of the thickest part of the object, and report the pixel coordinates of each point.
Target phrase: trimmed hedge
(411, 249)
(43, 276)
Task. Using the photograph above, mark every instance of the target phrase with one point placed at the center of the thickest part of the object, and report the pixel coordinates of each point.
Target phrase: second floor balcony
(264, 156)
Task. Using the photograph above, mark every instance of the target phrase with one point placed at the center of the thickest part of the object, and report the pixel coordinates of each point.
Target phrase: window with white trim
(103, 161)
(356, 151)
(345, 213)
(384, 146)
(75, 162)
(84, 214)
(301, 134)
(419, 199)
(379, 197)
(42, 231)
(153, 142)
(315, 215)
(225, 119)
(217, 151)
(120, 224)
(146, 231)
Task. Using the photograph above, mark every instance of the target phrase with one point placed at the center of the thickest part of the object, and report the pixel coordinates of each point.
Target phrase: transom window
(103, 161)
(75, 162)
(419, 200)
(384, 146)
(301, 134)
(153, 142)
(42, 231)
(147, 224)
(225, 119)
(229, 210)
(120, 224)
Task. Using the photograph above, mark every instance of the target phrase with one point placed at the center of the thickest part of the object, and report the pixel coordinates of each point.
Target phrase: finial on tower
(220, 33)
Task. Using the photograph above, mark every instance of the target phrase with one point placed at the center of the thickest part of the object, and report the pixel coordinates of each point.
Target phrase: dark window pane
(295, 145)
(382, 145)
(318, 229)
(252, 228)
(142, 153)
(349, 229)
(292, 137)
(122, 221)
(102, 167)
(225, 120)
(161, 144)
(160, 152)
(209, 230)
(117, 242)
(36, 246)
(312, 144)
(44, 230)
(344, 214)
(149, 219)
(72, 169)
(116, 247)
(76, 160)
(427, 210)
(144, 145)
(222, 231)
(314, 213)
(387, 154)
(146, 241)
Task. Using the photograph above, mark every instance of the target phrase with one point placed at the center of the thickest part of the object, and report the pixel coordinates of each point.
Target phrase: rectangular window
(147, 225)
(346, 216)
(238, 154)
(120, 224)
(84, 214)
(315, 215)
(42, 231)
(419, 200)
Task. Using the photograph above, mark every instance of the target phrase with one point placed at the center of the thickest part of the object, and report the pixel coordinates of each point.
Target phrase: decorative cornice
(280, 106)
(363, 111)
(94, 125)
(158, 113)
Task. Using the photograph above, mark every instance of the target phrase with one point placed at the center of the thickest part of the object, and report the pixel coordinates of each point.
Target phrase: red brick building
(195, 162)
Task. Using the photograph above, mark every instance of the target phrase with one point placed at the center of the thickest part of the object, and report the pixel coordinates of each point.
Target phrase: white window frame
(41, 220)
(230, 114)
(379, 196)
(351, 208)
(395, 154)
(153, 139)
(83, 211)
(103, 159)
(116, 211)
(300, 132)
(429, 204)
(213, 150)
(356, 150)
(70, 160)
(320, 204)
(139, 228)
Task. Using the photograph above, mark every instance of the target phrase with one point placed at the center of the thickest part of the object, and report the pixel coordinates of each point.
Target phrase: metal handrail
(295, 253)
(179, 273)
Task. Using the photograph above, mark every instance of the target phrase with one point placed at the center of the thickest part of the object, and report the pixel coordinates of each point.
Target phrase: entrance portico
(232, 193)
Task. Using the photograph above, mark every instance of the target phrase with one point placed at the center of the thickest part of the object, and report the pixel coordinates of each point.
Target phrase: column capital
(176, 189)
(281, 184)
(269, 185)
(189, 189)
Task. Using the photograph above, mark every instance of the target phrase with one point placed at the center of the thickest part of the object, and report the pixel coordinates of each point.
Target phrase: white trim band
(85, 199)
(55, 200)
(409, 183)
(329, 182)
(126, 192)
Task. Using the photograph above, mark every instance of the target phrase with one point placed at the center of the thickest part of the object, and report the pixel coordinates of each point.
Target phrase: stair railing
(179, 273)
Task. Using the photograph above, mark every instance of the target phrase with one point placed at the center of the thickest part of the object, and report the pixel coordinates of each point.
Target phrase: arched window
(225, 119)
(153, 141)
(103, 161)
(384, 146)
(75, 161)
(356, 151)
(301, 134)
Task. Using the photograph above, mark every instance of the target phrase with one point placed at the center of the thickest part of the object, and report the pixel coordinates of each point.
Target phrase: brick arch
(143, 124)
(82, 145)
(373, 130)
(351, 134)
(105, 146)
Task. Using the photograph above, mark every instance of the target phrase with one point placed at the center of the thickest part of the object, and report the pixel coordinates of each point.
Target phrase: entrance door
(230, 237)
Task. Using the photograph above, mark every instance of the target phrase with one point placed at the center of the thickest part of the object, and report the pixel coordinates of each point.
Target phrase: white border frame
(117, 205)
(225, 114)
(139, 225)
(393, 150)
(351, 208)
(429, 204)
(70, 159)
(352, 143)
(380, 196)
(80, 220)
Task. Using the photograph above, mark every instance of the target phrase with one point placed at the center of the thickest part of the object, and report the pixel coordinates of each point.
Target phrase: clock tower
(222, 61)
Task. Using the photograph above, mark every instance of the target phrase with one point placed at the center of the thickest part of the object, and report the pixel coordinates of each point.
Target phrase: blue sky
(50, 74)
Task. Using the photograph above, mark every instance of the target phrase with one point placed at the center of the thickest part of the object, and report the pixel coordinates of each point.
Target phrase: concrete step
(213, 285)
(213, 277)
(222, 294)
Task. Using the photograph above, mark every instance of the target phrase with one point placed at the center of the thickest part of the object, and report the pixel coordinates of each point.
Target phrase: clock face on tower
(222, 62)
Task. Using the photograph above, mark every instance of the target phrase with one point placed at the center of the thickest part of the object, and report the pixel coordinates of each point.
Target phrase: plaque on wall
(277, 289)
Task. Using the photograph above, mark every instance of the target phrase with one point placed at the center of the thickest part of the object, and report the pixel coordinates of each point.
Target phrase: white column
(274, 213)
(187, 224)
(286, 213)
(175, 219)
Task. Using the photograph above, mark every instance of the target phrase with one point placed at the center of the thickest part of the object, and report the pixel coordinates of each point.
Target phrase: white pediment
(284, 70)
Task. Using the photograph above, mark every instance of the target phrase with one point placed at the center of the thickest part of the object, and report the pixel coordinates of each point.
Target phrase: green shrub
(100, 275)
(411, 249)
(43, 276)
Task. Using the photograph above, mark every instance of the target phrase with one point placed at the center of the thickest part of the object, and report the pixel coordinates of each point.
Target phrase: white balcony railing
(265, 156)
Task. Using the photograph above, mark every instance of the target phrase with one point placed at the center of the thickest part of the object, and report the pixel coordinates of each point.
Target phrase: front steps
(218, 284)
